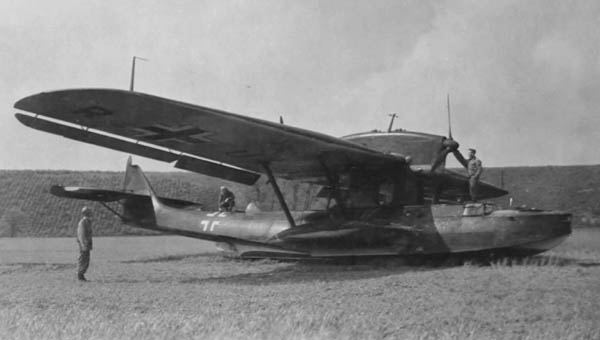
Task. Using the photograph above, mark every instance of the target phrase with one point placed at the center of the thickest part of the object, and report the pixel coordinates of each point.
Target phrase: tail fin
(134, 208)
(138, 199)
(134, 180)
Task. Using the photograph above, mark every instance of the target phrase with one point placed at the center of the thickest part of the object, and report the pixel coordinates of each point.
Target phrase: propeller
(449, 145)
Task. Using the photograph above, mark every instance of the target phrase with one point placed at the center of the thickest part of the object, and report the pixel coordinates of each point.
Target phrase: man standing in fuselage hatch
(226, 200)
(474, 170)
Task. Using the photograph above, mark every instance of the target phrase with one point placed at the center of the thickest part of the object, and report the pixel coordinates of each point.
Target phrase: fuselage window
(386, 193)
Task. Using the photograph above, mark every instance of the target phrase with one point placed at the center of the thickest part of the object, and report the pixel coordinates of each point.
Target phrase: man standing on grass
(84, 239)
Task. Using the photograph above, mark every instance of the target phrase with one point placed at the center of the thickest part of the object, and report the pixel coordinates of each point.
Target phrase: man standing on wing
(84, 239)
(474, 170)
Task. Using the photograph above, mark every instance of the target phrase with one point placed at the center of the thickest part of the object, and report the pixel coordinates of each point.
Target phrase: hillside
(29, 210)
(575, 189)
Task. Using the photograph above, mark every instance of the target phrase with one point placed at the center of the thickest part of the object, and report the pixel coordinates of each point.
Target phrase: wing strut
(284, 206)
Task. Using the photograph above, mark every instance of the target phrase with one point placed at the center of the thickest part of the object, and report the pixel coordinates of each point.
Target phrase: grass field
(177, 288)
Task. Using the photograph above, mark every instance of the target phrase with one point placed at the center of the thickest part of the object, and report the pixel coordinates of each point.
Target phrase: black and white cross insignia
(180, 134)
(93, 111)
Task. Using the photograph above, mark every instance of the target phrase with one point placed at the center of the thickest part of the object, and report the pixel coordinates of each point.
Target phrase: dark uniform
(84, 239)
(226, 200)
(474, 170)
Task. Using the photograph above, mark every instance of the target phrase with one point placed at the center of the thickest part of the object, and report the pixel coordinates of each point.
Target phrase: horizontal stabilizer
(91, 194)
(102, 195)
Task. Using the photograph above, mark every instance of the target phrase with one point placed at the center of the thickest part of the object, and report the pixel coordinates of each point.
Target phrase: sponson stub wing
(451, 186)
(197, 138)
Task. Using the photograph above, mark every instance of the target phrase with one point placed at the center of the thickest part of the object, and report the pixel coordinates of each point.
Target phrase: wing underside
(197, 138)
(181, 161)
(216, 143)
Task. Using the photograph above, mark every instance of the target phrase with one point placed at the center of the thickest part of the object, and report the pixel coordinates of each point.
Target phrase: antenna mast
(393, 115)
(132, 80)
(449, 120)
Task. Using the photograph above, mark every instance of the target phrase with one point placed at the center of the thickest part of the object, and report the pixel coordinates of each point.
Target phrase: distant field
(28, 209)
(169, 287)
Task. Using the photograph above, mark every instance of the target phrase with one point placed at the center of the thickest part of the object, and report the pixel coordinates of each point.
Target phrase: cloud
(523, 76)
(520, 75)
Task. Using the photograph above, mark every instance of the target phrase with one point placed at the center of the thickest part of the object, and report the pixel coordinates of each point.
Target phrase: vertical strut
(284, 206)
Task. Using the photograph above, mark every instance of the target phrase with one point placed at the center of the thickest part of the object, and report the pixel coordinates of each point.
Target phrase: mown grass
(176, 288)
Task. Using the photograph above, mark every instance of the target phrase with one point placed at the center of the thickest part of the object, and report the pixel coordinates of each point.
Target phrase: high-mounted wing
(193, 134)
(183, 162)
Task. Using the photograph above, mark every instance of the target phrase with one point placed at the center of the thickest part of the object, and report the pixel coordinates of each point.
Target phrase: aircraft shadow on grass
(367, 269)
(169, 258)
(297, 274)
(293, 271)
(349, 269)
(344, 269)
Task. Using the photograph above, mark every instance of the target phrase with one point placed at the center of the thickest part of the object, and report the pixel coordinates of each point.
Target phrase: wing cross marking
(183, 134)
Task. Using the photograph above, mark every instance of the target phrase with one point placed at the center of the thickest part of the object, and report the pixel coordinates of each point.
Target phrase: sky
(523, 76)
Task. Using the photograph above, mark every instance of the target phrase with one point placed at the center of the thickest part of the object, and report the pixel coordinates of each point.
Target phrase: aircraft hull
(410, 231)
(514, 230)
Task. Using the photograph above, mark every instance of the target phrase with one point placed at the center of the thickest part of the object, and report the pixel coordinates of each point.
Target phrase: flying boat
(388, 192)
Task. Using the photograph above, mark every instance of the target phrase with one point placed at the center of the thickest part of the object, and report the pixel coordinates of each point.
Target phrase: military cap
(86, 211)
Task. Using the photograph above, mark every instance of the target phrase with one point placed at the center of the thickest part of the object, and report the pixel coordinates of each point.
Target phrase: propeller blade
(449, 119)
(460, 158)
(440, 159)
(449, 145)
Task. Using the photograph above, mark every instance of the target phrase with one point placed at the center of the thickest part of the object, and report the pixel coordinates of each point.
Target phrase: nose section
(530, 231)
(555, 229)
(564, 224)
(555, 224)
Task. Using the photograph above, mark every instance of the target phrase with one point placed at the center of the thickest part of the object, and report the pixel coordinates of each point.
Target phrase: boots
(80, 277)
